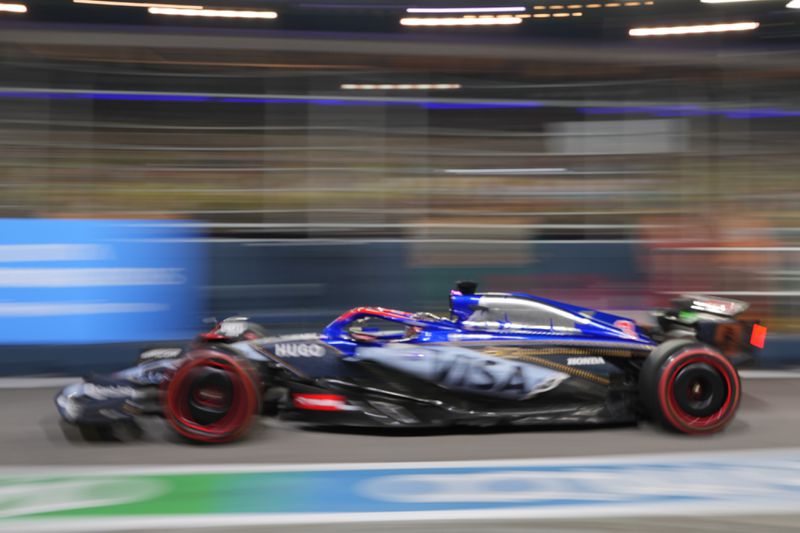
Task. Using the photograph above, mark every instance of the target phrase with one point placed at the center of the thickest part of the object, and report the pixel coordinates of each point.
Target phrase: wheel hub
(210, 395)
(700, 390)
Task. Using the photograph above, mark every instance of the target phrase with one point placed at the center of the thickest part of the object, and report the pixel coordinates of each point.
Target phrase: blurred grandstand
(339, 152)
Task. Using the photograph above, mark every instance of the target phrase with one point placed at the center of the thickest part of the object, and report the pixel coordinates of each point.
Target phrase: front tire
(212, 398)
(689, 387)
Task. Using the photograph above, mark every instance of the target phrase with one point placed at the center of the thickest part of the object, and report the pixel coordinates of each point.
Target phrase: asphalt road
(768, 418)
(30, 434)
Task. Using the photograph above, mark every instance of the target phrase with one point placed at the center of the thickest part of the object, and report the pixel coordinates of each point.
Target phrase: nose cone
(66, 402)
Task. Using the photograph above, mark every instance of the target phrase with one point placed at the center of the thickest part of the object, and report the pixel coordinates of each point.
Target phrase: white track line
(229, 521)
(49, 471)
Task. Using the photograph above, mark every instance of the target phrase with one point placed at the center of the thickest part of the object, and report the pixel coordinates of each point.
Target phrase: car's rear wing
(714, 321)
(710, 304)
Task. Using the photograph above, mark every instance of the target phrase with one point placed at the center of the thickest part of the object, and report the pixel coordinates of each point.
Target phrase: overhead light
(483, 171)
(507, 9)
(133, 4)
(398, 86)
(223, 13)
(689, 30)
(794, 4)
(14, 8)
(460, 21)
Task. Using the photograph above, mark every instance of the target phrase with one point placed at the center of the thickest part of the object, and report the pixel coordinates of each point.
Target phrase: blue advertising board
(98, 281)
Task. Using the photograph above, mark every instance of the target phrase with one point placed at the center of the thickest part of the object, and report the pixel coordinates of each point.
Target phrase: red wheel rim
(242, 403)
(679, 418)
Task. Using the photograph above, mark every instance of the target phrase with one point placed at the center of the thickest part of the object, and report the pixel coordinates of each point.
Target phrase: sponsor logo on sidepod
(581, 361)
(160, 353)
(299, 350)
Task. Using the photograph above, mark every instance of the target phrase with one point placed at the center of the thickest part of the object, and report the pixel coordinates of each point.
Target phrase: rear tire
(689, 387)
(212, 398)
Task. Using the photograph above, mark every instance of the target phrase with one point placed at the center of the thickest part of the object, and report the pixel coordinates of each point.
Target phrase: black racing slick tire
(212, 397)
(689, 387)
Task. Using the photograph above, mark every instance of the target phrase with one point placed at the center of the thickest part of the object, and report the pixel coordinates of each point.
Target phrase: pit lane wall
(81, 296)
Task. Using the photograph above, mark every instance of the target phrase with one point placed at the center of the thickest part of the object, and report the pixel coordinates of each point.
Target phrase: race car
(497, 359)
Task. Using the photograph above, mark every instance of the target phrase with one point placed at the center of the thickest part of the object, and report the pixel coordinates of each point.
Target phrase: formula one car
(499, 358)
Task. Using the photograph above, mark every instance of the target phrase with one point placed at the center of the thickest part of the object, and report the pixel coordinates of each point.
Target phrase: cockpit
(376, 329)
(378, 325)
(476, 314)
(504, 312)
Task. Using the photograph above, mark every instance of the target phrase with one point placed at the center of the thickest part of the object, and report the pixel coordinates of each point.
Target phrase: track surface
(768, 417)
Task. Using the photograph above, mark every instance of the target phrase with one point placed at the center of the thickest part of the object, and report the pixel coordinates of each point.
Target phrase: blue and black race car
(499, 358)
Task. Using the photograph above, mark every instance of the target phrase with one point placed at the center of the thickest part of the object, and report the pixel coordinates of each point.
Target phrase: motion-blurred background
(163, 162)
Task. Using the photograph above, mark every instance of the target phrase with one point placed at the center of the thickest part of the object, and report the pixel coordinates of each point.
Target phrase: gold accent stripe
(560, 350)
(578, 372)
(532, 356)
